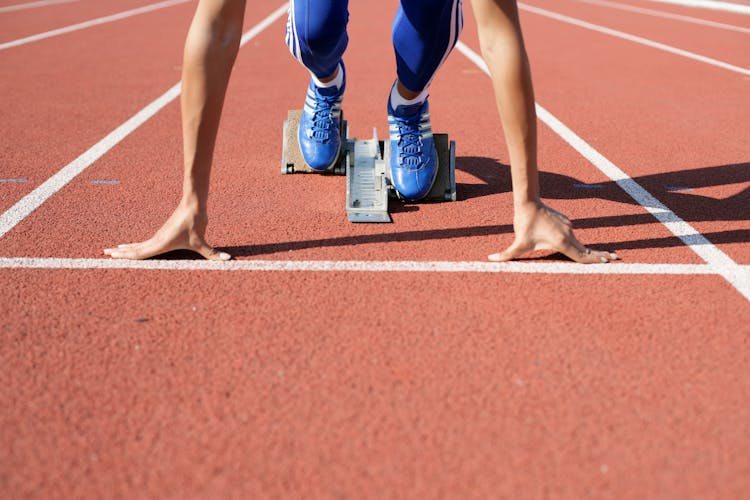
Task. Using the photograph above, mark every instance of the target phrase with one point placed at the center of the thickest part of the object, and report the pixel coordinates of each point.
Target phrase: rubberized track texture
(375, 361)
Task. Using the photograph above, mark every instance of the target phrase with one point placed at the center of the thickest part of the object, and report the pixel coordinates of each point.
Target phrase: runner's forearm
(503, 51)
(210, 50)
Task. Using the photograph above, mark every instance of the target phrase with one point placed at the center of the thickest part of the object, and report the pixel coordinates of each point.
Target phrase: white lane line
(18, 212)
(718, 260)
(634, 38)
(710, 4)
(92, 22)
(32, 5)
(357, 265)
(666, 15)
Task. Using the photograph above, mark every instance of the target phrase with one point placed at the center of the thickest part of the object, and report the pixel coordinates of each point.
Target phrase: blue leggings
(424, 33)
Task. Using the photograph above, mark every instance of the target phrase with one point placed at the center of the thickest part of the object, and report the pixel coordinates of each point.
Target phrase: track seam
(713, 256)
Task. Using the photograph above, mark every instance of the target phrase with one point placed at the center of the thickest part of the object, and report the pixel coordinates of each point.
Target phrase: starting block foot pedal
(368, 177)
(366, 183)
(444, 187)
(292, 160)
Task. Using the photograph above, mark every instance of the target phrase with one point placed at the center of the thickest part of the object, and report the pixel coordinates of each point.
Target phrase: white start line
(358, 266)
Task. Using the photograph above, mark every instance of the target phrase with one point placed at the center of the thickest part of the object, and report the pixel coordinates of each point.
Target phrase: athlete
(210, 50)
(424, 33)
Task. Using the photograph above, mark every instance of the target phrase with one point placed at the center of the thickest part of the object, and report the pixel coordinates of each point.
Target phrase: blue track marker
(588, 186)
(678, 188)
(13, 180)
(105, 182)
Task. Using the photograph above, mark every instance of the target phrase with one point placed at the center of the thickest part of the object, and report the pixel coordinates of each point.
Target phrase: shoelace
(322, 120)
(410, 142)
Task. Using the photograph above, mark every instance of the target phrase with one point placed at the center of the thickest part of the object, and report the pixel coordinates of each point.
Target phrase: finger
(581, 254)
(123, 246)
(139, 251)
(585, 255)
(211, 253)
(108, 251)
(128, 245)
(515, 250)
(123, 253)
(576, 251)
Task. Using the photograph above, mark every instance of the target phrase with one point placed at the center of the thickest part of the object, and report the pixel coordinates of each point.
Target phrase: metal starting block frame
(367, 169)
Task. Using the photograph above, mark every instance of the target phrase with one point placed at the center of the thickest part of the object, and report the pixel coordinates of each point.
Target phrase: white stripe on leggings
(457, 24)
(292, 39)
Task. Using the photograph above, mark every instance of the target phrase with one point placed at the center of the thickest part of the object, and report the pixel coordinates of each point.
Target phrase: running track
(334, 360)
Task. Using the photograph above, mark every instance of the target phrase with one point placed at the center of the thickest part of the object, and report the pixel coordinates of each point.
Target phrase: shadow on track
(674, 189)
(346, 241)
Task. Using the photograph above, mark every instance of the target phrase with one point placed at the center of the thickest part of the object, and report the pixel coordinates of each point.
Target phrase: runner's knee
(316, 35)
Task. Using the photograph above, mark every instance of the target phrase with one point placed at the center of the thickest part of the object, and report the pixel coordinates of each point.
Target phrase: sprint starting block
(365, 162)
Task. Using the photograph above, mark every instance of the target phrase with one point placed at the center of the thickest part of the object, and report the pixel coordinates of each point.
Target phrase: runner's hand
(539, 227)
(184, 230)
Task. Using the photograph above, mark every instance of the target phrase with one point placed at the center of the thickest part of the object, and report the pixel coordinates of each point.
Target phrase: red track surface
(143, 383)
(38, 20)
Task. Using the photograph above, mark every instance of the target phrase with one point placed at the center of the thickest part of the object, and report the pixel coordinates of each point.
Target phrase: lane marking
(92, 22)
(105, 181)
(358, 266)
(13, 180)
(18, 212)
(710, 4)
(698, 243)
(32, 5)
(634, 38)
(666, 15)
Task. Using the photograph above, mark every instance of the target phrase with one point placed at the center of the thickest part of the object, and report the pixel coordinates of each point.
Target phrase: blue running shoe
(414, 161)
(320, 125)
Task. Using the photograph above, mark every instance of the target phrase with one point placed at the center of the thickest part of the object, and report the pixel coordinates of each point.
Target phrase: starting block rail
(366, 183)
(365, 162)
